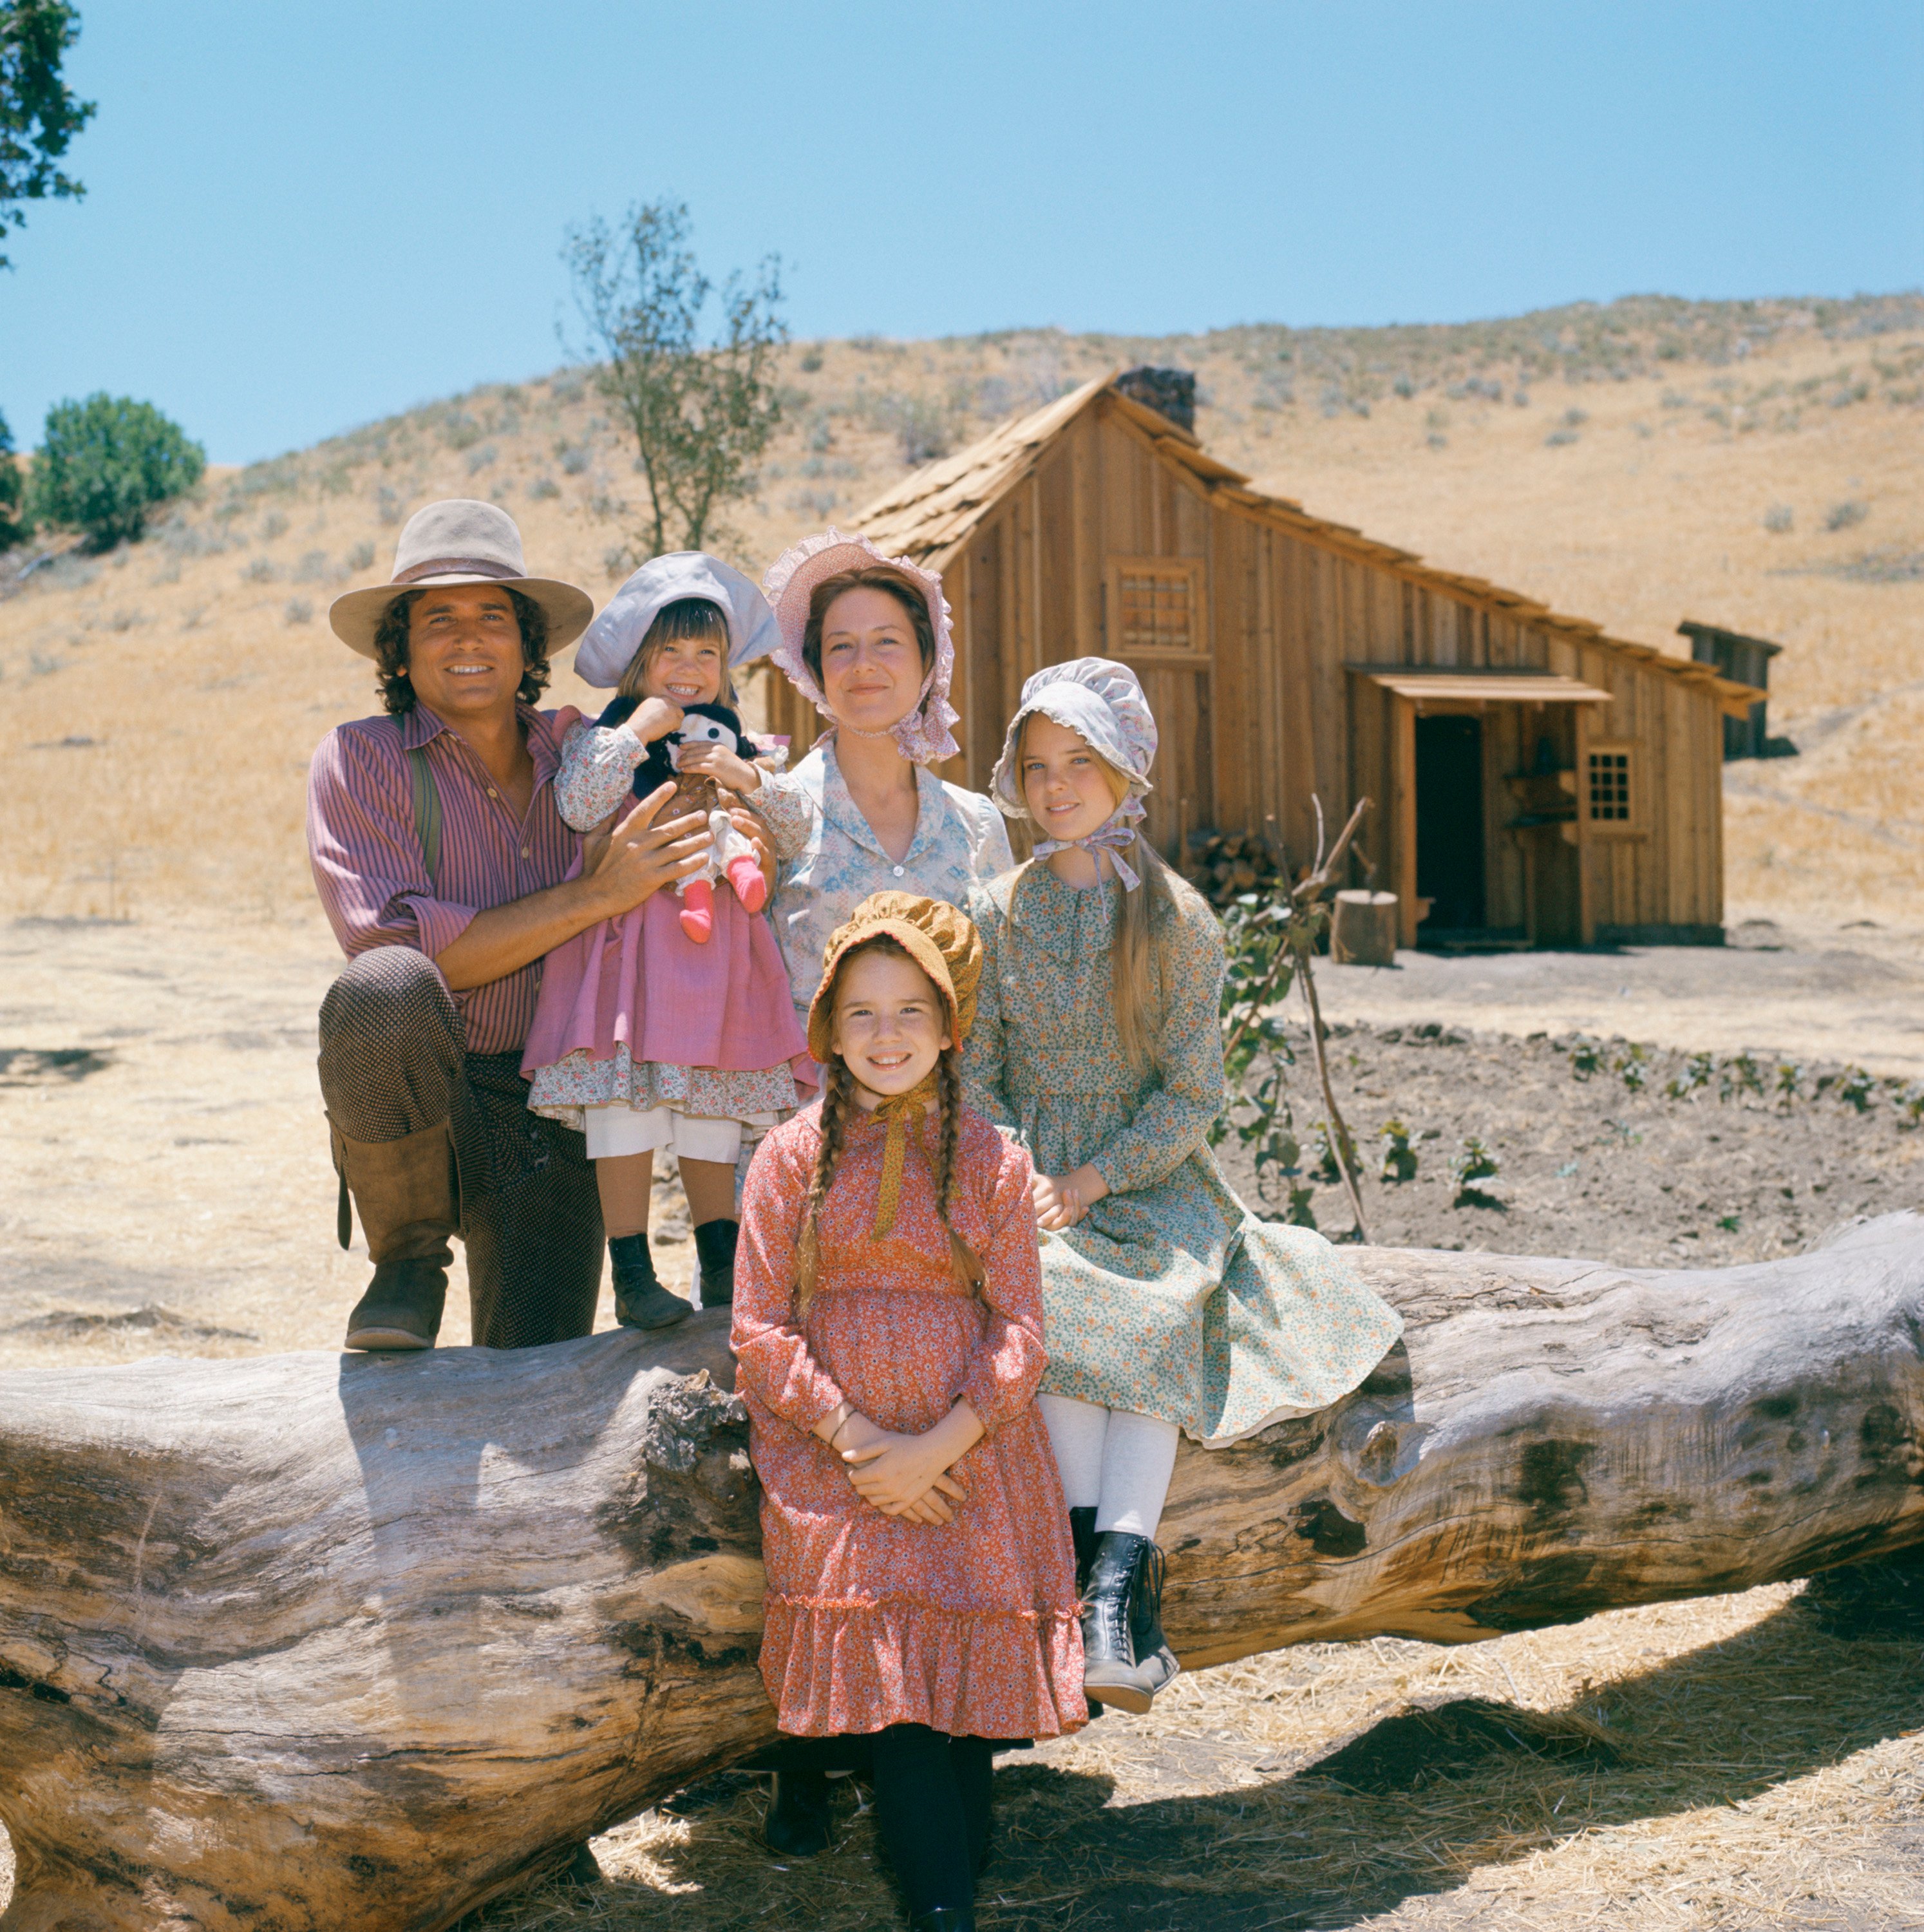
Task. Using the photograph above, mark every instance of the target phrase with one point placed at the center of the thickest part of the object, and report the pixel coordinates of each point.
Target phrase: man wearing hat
(443, 865)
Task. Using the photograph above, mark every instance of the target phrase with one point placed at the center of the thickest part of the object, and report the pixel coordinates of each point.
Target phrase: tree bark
(344, 1642)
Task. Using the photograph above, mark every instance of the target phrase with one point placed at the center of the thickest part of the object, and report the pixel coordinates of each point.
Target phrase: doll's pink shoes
(698, 910)
(750, 888)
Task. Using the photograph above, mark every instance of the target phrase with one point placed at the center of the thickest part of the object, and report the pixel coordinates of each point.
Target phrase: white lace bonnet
(612, 640)
(924, 736)
(1102, 703)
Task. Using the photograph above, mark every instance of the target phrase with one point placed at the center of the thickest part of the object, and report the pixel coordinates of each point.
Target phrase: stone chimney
(1169, 392)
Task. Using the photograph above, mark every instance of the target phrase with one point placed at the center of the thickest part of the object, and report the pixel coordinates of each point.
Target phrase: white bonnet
(1102, 703)
(615, 635)
(923, 736)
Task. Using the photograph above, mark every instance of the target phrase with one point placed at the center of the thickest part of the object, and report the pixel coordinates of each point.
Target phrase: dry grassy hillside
(1755, 464)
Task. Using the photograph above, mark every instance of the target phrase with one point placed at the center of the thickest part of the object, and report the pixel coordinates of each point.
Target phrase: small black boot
(640, 1300)
(1156, 1662)
(797, 1825)
(1108, 1647)
(1082, 1533)
(714, 1246)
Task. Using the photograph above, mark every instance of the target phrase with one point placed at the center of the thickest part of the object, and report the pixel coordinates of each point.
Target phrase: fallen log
(309, 1641)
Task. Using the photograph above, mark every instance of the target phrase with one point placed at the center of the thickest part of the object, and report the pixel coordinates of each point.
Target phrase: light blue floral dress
(1169, 1297)
(831, 860)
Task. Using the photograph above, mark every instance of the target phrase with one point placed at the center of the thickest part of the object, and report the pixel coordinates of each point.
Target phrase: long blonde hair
(1135, 962)
(687, 618)
(838, 1104)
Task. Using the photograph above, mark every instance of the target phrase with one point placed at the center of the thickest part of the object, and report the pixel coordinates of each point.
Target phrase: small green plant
(1326, 1167)
(103, 465)
(1739, 1074)
(1696, 1074)
(1729, 1222)
(1790, 1081)
(1909, 1101)
(1473, 1161)
(1855, 1088)
(1633, 1068)
(1399, 1157)
(1302, 1209)
(1586, 1058)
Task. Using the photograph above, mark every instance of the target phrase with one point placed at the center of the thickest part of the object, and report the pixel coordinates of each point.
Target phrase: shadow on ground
(1401, 1811)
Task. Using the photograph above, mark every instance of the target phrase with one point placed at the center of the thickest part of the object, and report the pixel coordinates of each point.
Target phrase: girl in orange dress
(888, 1334)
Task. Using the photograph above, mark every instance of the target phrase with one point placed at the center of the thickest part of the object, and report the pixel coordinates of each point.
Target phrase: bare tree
(702, 409)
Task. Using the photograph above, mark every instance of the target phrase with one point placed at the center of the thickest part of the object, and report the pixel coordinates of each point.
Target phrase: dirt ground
(1667, 1173)
(168, 1190)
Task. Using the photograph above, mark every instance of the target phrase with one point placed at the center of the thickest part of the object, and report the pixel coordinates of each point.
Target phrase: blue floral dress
(832, 860)
(1169, 1297)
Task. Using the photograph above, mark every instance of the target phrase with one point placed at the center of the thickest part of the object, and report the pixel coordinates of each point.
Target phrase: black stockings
(932, 1804)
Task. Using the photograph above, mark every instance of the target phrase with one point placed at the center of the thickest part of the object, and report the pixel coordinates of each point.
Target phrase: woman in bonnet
(865, 639)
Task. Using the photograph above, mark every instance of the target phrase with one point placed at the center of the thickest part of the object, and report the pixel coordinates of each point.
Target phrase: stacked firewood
(1223, 865)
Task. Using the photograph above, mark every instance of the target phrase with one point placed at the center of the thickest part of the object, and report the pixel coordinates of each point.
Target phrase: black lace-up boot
(1108, 1645)
(1156, 1662)
(1082, 1533)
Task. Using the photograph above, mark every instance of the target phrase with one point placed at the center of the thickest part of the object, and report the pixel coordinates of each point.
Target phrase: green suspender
(426, 812)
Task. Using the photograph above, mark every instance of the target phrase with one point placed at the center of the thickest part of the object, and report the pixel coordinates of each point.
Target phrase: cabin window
(1156, 605)
(1610, 787)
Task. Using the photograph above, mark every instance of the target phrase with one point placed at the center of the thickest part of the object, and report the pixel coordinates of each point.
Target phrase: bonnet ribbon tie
(897, 1111)
(1114, 836)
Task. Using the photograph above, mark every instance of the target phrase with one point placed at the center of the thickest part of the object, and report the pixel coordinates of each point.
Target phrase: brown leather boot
(405, 1193)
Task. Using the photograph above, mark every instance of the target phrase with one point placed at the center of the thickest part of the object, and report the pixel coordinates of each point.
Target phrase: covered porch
(1492, 785)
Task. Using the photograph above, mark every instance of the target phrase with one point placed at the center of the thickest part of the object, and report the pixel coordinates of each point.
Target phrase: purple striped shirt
(372, 875)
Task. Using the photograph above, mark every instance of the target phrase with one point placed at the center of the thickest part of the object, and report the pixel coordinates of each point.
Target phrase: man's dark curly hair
(397, 696)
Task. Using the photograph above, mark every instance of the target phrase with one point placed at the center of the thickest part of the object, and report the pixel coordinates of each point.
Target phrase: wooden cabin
(1745, 661)
(1534, 781)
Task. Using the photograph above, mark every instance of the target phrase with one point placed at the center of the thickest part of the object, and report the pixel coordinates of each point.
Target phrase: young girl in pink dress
(671, 1026)
(888, 1338)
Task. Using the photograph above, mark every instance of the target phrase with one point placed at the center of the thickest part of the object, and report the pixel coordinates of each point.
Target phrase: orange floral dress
(969, 1628)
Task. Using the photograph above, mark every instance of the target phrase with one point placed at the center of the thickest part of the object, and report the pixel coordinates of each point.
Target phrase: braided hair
(967, 1265)
(837, 1098)
(838, 1101)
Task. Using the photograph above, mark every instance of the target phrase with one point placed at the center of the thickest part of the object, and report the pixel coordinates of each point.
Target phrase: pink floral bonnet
(924, 736)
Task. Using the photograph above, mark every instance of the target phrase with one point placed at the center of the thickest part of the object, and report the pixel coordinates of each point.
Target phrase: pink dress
(970, 1626)
(632, 1013)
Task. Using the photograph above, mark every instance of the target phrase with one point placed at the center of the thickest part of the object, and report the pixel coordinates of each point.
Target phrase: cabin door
(1449, 823)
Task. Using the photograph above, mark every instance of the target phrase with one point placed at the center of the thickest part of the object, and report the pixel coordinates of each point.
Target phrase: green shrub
(105, 463)
(15, 526)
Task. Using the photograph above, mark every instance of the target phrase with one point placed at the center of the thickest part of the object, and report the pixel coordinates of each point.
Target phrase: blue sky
(301, 216)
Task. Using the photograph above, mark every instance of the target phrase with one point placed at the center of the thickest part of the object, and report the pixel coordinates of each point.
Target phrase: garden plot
(1645, 1156)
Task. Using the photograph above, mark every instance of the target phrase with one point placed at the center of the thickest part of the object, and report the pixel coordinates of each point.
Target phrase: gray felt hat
(460, 541)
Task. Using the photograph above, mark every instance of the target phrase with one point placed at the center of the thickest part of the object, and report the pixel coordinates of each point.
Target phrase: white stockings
(1113, 1459)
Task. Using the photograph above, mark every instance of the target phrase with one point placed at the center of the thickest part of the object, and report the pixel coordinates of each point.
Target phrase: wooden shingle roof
(930, 514)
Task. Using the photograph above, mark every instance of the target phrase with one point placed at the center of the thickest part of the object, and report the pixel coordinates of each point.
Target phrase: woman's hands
(1061, 1202)
(908, 1475)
